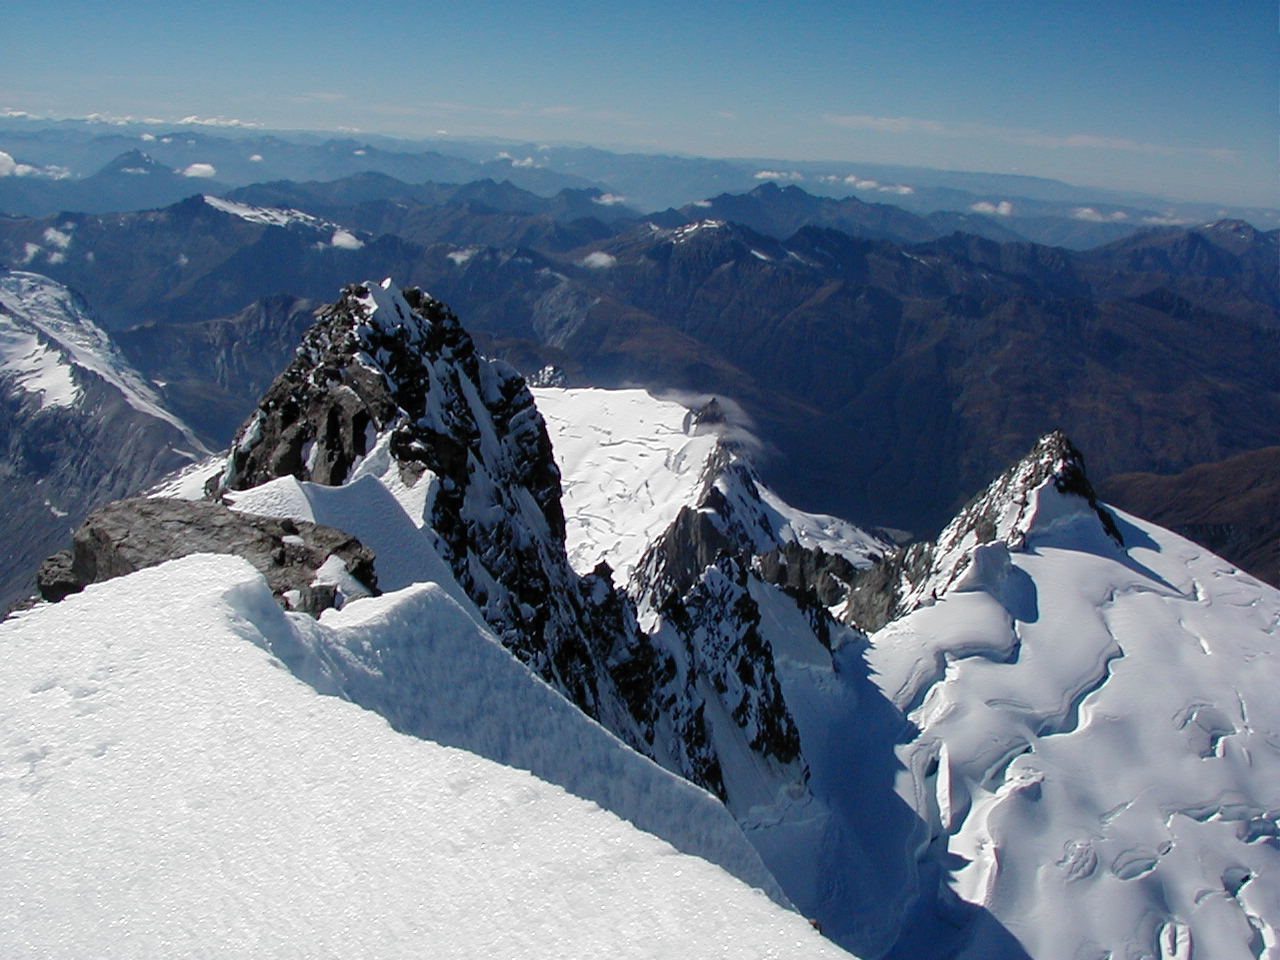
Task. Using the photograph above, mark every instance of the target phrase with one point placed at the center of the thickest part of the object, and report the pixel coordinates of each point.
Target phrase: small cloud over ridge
(1004, 208)
(599, 260)
(1093, 215)
(200, 171)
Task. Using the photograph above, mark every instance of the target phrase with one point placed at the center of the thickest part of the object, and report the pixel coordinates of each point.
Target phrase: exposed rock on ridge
(388, 374)
(1005, 512)
(295, 557)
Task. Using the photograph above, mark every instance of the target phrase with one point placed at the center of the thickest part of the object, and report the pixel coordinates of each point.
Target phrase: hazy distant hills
(1230, 506)
(215, 159)
(858, 358)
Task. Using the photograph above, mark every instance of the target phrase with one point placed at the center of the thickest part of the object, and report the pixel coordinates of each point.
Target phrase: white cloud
(865, 183)
(1093, 215)
(200, 170)
(147, 137)
(599, 260)
(609, 199)
(526, 162)
(217, 122)
(29, 252)
(864, 121)
(255, 158)
(778, 175)
(1166, 221)
(1002, 209)
(702, 203)
(346, 240)
(56, 238)
(11, 168)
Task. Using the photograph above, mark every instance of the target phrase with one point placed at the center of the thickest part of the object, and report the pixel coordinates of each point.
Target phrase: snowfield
(1068, 749)
(1098, 740)
(628, 466)
(167, 788)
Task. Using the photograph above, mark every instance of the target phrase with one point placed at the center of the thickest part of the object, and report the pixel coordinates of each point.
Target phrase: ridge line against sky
(1164, 96)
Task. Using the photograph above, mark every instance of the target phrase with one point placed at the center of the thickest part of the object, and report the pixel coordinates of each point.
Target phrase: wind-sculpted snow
(166, 789)
(460, 685)
(1098, 738)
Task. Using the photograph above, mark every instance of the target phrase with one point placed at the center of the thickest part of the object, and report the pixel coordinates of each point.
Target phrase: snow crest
(167, 789)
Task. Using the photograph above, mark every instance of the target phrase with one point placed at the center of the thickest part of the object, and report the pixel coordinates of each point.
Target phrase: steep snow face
(167, 789)
(46, 335)
(630, 461)
(1098, 745)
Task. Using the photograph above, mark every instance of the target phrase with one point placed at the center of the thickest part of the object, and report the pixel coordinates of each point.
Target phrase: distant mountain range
(216, 159)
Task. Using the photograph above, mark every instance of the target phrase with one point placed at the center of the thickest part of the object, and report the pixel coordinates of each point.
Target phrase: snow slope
(629, 461)
(46, 333)
(462, 687)
(1098, 742)
(166, 789)
(339, 236)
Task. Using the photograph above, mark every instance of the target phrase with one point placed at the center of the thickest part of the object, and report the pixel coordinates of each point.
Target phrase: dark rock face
(130, 535)
(696, 580)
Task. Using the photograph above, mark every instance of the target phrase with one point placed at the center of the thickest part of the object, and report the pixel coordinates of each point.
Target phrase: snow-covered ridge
(341, 237)
(46, 332)
(172, 797)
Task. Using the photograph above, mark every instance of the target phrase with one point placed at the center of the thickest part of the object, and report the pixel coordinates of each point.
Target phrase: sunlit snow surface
(1099, 740)
(628, 467)
(463, 687)
(45, 333)
(168, 789)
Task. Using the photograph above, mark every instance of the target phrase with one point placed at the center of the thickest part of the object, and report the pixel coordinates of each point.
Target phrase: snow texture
(629, 463)
(166, 789)
(1098, 745)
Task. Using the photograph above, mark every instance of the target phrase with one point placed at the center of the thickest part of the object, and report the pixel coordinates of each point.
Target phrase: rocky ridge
(1003, 513)
(297, 558)
(384, 374)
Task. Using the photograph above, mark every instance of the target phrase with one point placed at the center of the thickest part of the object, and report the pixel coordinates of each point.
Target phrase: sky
(1165, 96)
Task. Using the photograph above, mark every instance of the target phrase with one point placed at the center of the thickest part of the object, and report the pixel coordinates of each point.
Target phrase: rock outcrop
(308, 566)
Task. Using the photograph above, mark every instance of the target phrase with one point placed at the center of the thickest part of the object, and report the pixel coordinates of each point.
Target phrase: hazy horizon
(1169, 99)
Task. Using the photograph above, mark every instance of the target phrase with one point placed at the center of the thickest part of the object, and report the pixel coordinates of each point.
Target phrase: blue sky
(1169, 97)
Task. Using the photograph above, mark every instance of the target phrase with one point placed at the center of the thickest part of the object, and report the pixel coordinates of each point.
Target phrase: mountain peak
(1043, 494)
